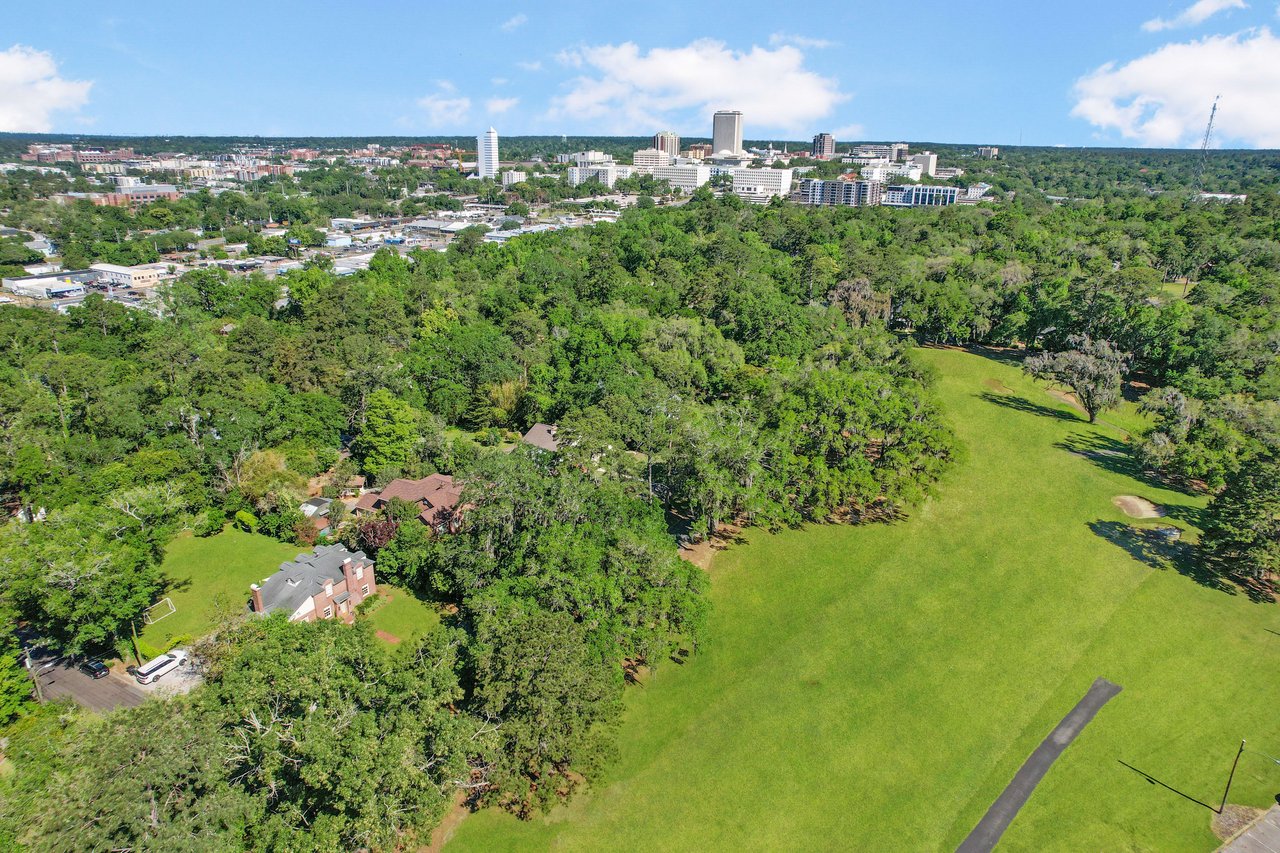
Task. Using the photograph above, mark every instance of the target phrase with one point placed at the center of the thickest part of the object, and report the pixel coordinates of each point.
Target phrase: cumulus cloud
(803, 42)
(31, 90)
(445, 108)
(1196, 13)
(1163, 98)
(515, 22)
(629, 91)
(497, 106)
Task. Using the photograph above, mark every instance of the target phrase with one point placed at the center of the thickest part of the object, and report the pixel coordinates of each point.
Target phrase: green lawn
(211, 577)
(402, 616)
(875, 688)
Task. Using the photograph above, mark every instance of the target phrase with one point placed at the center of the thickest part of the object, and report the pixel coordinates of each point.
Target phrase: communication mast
(1204, 146)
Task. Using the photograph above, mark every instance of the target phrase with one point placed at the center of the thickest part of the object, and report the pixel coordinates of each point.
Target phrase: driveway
(59, 679)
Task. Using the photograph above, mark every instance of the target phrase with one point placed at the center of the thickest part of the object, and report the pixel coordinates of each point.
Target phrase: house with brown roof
(437, 495)
(542, 436)
(328, 583)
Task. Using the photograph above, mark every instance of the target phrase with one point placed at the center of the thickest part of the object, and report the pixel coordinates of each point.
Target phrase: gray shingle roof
(305, 576)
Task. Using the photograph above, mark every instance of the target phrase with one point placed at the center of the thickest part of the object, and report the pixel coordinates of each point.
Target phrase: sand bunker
(1136, 507)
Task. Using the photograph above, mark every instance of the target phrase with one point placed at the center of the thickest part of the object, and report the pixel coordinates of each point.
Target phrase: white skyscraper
(487, 154)
(726, 132)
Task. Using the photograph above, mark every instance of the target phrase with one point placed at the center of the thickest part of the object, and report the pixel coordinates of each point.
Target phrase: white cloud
(443, 108)
(31, 90)
(534, 65)
(634, 91)
(497, 106)
(1196, 13)
(1163, 98)
(515, 22)
(794, 40)
(849, 132)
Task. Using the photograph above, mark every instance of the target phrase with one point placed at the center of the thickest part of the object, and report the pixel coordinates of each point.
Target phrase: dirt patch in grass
(387, 638)
(1233, 820)
(997, 386)
(702, 552)
(448, 825)
(1136, 507)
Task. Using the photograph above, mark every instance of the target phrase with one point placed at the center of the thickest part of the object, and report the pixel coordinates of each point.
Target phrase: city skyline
(1141, 74)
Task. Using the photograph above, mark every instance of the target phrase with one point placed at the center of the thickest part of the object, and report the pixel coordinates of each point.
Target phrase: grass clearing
(876, 688)
(211, 577)
(399, 614)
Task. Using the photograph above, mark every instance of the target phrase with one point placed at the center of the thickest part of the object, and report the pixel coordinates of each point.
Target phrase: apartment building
(840, 193)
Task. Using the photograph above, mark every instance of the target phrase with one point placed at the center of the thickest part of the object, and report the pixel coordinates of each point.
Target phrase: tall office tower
(667, 142)
(726, 131)
(824, 146)
(487, 154)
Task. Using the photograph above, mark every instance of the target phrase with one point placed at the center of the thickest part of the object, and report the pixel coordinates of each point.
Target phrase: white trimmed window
(364, 590)
(328, 612)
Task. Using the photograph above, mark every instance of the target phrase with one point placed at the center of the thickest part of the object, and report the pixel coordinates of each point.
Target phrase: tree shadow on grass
(1150, 548)
(1021, 404)
(1116, 456)
(1004, 355)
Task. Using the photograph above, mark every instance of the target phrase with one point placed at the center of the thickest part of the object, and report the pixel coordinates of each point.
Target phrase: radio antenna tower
(1204, 146)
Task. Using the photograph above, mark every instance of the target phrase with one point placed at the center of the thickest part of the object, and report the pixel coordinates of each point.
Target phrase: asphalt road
(97, 694)
(987, 833)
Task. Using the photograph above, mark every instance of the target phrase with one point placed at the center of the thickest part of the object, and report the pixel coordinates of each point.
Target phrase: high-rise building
(990, 152)
(487, 154)
(824, 146)
(700, 150)
(667, 142)
(726, 131)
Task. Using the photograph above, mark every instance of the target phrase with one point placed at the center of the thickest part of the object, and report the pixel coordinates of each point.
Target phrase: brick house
(437, 496)
(328, 583)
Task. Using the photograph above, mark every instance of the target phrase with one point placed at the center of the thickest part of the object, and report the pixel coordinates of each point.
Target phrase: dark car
(94, 668)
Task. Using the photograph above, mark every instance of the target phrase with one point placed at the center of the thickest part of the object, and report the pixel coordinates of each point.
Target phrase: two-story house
(325, 584)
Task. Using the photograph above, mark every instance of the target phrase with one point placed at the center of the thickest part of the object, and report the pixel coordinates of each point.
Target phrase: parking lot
(59, 679)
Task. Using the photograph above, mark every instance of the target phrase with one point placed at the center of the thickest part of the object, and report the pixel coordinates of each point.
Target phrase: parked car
(94, 668)
(153, 670)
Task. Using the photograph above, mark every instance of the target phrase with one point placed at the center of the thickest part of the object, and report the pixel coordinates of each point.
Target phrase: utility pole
(1230, 778)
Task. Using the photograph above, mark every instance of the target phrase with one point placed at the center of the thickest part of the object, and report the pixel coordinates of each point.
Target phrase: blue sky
(1092, 72)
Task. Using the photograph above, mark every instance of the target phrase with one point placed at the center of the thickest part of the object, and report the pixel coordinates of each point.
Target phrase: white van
(153, 670)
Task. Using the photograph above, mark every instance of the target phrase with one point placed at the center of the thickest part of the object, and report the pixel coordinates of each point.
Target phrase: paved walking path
(987, 833)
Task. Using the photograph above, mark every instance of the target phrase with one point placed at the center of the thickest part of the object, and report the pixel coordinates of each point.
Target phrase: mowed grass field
(875, 688)
(402, 616)
(211, 577)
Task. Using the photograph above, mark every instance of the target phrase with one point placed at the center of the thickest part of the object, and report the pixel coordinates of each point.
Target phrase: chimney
(257, 598)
